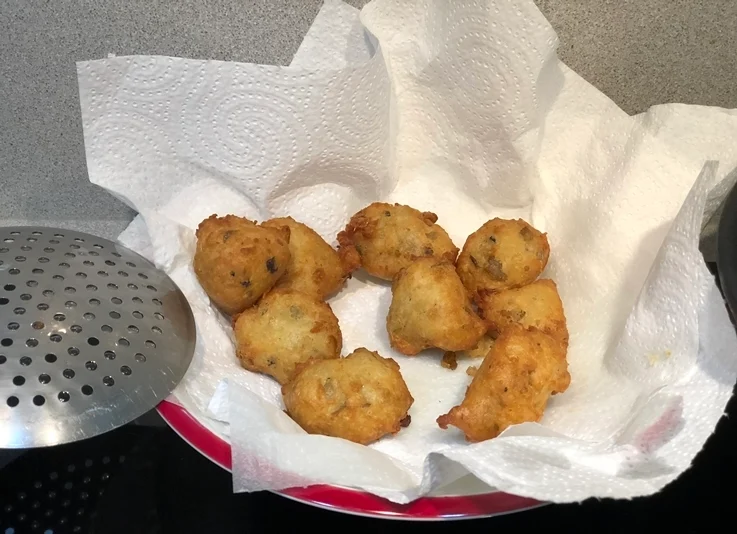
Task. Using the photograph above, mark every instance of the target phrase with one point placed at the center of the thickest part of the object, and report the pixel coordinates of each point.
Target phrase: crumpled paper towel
(461, 108)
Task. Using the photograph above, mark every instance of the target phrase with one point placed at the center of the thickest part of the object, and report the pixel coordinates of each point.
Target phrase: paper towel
(460, 108)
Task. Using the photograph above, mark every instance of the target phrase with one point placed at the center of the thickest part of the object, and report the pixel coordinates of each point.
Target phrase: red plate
(348, 500)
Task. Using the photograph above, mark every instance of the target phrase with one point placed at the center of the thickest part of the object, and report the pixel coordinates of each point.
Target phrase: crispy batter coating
(361, 397)
(449, 360)
(502, 254)
(237, 261)
(537, 304)
(430, 308)
(315, 266)
(513, 384)
(284, 329)
(481, 349)
(385, 238)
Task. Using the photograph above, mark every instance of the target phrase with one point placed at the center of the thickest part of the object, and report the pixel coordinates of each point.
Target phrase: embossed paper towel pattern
(467, 76)
(284, 138)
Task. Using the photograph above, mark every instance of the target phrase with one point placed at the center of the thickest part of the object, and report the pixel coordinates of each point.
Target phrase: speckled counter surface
(639, 53)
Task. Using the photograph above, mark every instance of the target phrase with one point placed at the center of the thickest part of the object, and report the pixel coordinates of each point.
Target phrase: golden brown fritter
(537, 304)
(315, 267)
(502, 254)
(430, 308)
(237, 261)
(361, 397)
(285, 329)
(512, 386)
(385, 238)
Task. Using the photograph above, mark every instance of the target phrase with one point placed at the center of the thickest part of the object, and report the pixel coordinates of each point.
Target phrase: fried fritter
(315, 267)
(385, 238)
(537, 304)
(512, 386)
(502, 254)
(361, 397)
(284, 329)
(237, 261)
(430, 308)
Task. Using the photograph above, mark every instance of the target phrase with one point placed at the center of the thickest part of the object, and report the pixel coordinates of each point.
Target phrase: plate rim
(346, 500)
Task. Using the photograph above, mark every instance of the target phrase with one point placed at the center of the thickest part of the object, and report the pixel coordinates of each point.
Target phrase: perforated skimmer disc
(92, 336)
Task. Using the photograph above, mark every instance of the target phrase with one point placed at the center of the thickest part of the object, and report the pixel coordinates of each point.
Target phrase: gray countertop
(638, 53)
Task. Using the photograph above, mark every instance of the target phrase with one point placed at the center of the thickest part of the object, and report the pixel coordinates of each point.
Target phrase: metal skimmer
(92, 336)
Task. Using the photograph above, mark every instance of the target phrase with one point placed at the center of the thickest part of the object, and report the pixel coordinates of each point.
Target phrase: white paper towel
(460, 108)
